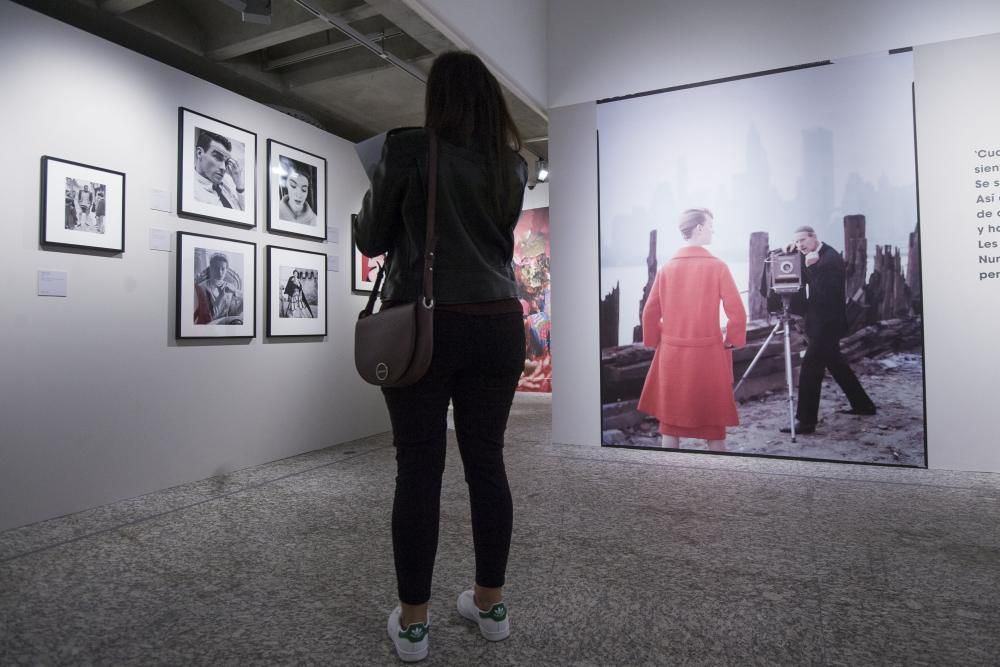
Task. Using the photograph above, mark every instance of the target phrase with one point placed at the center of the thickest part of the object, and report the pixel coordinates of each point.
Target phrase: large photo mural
(531, 268)
(760, 266)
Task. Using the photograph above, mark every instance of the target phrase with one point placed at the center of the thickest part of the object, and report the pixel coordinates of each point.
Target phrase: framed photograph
(364, 269)
(82, 206)
(296, 292)
(216, 287)
(216, 168)
(851, 127)
(296, 191)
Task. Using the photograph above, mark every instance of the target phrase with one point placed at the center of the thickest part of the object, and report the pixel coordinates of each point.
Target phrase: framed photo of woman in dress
(82, 205)
(296, 292)
(216, 170)
(216, 287)
(296, 191)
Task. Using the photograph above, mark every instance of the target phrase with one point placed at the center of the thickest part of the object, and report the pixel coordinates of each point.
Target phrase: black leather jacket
(474, 249)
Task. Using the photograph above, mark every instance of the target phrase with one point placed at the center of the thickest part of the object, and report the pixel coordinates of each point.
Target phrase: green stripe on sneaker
(497, 612)
(414, 632)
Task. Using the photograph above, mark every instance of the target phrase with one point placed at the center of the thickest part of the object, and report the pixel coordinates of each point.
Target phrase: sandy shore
(894, 436)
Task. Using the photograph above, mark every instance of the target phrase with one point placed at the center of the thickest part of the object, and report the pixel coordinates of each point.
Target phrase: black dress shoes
(800, 429)
(865, 412)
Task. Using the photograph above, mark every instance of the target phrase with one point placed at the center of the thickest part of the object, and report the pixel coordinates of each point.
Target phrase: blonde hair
(691, 218)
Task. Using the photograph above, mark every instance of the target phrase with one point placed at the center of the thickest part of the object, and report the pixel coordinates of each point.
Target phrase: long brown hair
(465, 106)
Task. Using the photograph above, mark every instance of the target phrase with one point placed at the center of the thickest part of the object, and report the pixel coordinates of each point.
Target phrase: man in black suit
(822, 302)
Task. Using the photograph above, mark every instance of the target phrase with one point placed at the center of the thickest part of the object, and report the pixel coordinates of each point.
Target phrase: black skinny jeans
(477, 362)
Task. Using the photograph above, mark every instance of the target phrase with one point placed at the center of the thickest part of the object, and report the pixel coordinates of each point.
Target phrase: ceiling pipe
(342, 25)
(321, 51)
(379, 50)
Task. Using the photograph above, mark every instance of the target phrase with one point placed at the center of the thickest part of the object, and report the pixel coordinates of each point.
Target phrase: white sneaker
(494, 624)
(411, 641)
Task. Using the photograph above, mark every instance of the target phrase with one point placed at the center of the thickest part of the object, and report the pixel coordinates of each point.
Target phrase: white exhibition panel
(600, 49)
(576, 386)
(98, 401)
(958, 131)
(956, 117)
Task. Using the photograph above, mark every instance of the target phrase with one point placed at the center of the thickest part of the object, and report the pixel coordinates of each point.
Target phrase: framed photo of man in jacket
(216, 170)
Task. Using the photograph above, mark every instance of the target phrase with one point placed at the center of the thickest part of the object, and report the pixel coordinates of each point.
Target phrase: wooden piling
(651, 270)
(855, 253)
(609, 318)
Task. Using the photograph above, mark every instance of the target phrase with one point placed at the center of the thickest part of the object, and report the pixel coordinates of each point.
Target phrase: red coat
(690, 382)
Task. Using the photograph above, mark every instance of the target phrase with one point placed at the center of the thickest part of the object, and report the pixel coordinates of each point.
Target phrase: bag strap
(430, 240)
(370, 306)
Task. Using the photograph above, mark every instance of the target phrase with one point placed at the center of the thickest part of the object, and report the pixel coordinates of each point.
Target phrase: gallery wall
(598, 51)
(536, 197)
(959, 157)
(98, 401)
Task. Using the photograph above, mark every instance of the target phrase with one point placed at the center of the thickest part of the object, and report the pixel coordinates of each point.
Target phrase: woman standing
(689, 387)
(295, 304)
(478, 332)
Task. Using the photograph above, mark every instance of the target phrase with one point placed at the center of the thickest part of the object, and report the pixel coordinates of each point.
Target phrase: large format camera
(781, 279)
(785, 271)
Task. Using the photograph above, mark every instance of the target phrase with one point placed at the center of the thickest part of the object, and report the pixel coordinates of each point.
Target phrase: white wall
(537, 197)
(956, 116)
(98, 402)
(576, 396)
(510, 36)
(600, 49)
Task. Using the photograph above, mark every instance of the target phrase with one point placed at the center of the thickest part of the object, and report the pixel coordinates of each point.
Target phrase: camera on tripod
(781, 279)
(785, 271)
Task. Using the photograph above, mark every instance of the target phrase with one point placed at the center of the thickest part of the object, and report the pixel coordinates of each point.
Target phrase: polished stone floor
(620, 557)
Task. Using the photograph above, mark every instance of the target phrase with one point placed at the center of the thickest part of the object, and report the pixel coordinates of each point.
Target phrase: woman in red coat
(689, 387)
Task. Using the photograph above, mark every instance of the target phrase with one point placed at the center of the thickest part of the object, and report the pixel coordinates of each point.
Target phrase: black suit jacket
(824, 308)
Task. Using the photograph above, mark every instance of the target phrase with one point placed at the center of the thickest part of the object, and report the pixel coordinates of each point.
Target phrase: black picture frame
(82, 206)
(198, 312)
(291, 270)
(310, 222)
(214, 197)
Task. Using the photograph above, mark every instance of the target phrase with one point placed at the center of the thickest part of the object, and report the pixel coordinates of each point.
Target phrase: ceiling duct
(253, 11)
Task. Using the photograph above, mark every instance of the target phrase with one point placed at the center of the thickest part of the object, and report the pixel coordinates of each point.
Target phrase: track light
(542, 173)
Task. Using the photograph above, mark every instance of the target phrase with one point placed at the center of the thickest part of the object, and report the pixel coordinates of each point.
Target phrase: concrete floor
(620, 557)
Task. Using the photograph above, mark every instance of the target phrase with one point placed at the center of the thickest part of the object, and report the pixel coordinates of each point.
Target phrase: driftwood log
(769, 373)
(624, 369)
(623, 372)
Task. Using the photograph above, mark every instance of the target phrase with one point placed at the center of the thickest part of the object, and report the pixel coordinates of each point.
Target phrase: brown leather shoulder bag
(393, 347)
